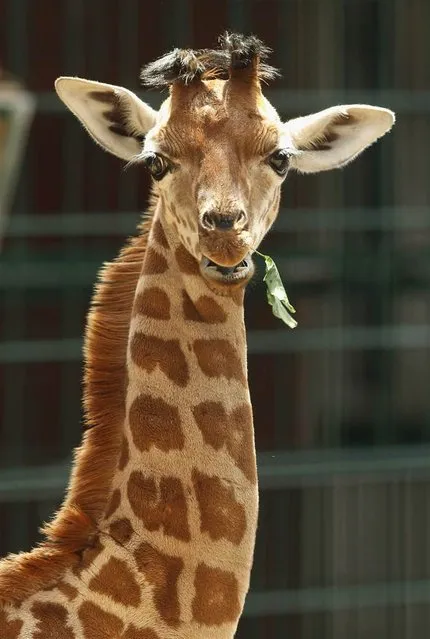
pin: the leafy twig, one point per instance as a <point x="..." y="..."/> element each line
<point x="276" y="293"/>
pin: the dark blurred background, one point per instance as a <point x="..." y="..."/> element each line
<point x="342" y="404"/>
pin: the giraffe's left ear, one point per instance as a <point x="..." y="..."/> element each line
<point x="333" y="137"/>
<point x="114" y="117"/>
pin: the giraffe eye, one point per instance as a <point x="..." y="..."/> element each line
<point x="279" y="161"/>
<point x="156" y="164"/>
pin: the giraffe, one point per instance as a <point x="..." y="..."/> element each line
<point x="155" y="537"/>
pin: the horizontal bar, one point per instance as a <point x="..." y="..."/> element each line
<point x="304" y="268"/>
<point x="384" y="337"/>
<point x="31" y="351"/>
<point x="35" y="483"/>
<point x="331" y="599"/>
<point x="276" y="470"/>
<point x="259" y="342"/>
<point x="286" y="100"/>
<point x="289" y="220"/>
<point x="280" y="470"/>
<point x="73" y="224"/>
<point x="48" y="274"/>
<point x="384" y="218"/>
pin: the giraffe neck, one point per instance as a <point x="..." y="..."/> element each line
<point x="184" y="496"/>
<point x="170" y="554"/>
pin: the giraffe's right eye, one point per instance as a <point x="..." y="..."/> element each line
<point x="157" y="165"/>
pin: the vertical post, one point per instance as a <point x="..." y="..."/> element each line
<point x="14" y="303"/>
<point x="72" y="299"/>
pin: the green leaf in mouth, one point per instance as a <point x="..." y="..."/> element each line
<point x="276" y="293"/>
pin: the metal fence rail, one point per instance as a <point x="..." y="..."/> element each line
<point x="276" y="469"/>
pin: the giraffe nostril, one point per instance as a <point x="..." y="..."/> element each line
<point x="208" y="221"/>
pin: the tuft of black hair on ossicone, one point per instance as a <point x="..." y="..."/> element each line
<point x="184" y="65"/>
<point x="246" y="50"/>
<point x="179" y="64"/>
<point x="243" y="49"/>
<point x="188" y="65"/>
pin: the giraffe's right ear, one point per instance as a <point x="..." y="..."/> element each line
<point x="114" y="117"/>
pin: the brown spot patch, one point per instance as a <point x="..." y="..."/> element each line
<point x="217" y="599"/>
<point x="124" y="455"/>
<point x="218" y="358"/>
<point x="204" y="309"/>
<point x="98" y="624"/>
<point x="154" y="422"/>
<point x="159" y="235"/>
<point x="150" y="352"/>
<point x="162" y="572"/>
<point x="154" y="263"/>
<point x="52" y="621"/>
<point x="232" y="430"/>
<point x="186" y="262"/>
<point x="164" y="508"/>
<point x="121" y="530"/>
<point x="114" y="503"/>
<point x="68" y="591"/>
<point x="9" y="629"/>
<point x="221" y="515"/>
<point x="135" y="633"/>
<point x="152" y="302"/>
<point x="116" y="580"/>
<point x="89" y="555"/>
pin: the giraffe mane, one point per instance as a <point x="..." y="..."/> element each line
<point x="186" y="65"/>
<point x="75" y="525"/>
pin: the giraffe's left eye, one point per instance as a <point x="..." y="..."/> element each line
<point x="279" y="161"/>
<point x="156" y="164"/>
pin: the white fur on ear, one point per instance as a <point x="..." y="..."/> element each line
<point x="114" y="117"/>
<point x="333" y="137"/>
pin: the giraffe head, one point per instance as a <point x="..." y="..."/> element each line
<point x="217" y="149"/>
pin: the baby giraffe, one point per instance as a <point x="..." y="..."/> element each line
<point x="156" y="535"/>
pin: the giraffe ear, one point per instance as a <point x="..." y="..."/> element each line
<point x="333" y="137"/>
<point x="114" y="117"/>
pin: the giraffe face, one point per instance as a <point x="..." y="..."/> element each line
<point x="218" y="164"/>
<point x="217" y="149"/>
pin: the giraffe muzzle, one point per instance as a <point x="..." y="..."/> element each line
<point x="239" y="273"/>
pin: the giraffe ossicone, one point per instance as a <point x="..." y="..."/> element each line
<point x="156" y="535"/>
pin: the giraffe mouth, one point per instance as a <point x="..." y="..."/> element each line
<point x="227" y="274"/>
